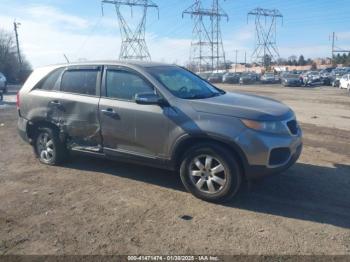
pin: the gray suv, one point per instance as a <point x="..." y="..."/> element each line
<point x="158" y="115"/>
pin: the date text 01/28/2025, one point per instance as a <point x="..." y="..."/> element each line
<point x="173" y="258"/>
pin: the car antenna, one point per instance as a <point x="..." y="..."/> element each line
<point x="66" y="58"/>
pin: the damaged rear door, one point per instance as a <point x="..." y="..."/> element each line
<point x="79" y="102"/>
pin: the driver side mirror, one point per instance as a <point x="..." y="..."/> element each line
<point x="149" y="99"/>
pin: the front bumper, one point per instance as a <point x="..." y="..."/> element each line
<point x="267" y="154"/>
<point x="292" y="83"/>
<point x="256" y="172"/>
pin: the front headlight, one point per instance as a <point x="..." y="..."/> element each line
<point x="275" y="127"/>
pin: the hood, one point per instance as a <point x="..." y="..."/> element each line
<point x="244" y="106"/>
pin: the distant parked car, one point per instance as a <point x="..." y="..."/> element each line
<point x="3" y="83"/>
<point x="337" y="74"/>
<point x="345" y="82"/>
<point x="231" y="78"/>
<point x="247" y="78"/>
<point x="269" y="78"/>
<point x="215" y="78"/>
<point x="312" y="78"/>
<point x="291" y="80"/>
<point x="204" y="76"/>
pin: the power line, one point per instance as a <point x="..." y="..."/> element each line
<point x="207" y="50"/>
<point x="266" y="49"/>
<point x="133" y="42"/>
<point x="336" y="49"/>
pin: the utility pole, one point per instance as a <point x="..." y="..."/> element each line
<point x="15" y="26"/>
<point x="333" y="42"/>
<point x="65" y="57"/>
<point x="133" y="42"/>
<point x="207" y="48"/>
<point x="236" y="51"/>
<point x="336" y="49"/>
<point x="266" y="32"/>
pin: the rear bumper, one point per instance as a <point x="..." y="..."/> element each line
<point x="22" y="128"/>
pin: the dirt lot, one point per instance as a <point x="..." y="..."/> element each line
<point x="91" y="206"/>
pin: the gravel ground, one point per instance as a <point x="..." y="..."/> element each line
<point x="92" y="206"/>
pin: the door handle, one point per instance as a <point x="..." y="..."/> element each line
<point x="109" y="112"/>
<point x="55" y="102"/>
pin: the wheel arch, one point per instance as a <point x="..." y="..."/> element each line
<point x="185" y="143"/>
<point x="34" y="125"/>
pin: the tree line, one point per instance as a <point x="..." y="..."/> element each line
<point x="296" y="61"/>
<point x="343" y="59"/>
<point x="10" y="65"/>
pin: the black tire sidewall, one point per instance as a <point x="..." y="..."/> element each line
<point x="234" y="174"/>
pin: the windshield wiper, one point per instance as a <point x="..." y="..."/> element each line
<point x="203" y="96"/>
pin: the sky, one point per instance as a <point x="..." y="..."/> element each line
<point x="76" y="28"/>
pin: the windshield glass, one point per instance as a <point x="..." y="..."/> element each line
<point x="182" y="83"/>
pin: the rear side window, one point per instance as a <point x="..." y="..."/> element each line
<point x="51" y="82"/>
<point x="125" y="85"/>
<point x="79" y="81"/>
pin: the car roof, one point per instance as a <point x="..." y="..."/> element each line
<point x="143" y="64"/>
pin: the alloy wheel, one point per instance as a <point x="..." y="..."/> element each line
<point x="45" y="147"/>
<point x="208" y="174"/>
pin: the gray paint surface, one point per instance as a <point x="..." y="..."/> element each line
<point x="154" y="131"/>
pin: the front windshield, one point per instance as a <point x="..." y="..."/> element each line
<point x="182" y="83"/>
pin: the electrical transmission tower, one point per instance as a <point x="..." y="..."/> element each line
<point x="266" y="50"/>
<point x="207" y="49"/>
<point x="133" y="42"/>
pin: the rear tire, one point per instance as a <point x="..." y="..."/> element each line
<point x="48" y="147"/>
<point x="211" y="173"/>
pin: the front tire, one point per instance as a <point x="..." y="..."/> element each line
<point x="48" y="147"/>
<point x="211" y="173"/>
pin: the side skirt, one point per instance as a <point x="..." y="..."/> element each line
<point x="127" y="157"/>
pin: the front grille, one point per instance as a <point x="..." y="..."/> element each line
<point x="279" y="156"/>
<point x="293" y="127"/>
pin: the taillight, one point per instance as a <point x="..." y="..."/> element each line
<point x="17" y="100"/>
